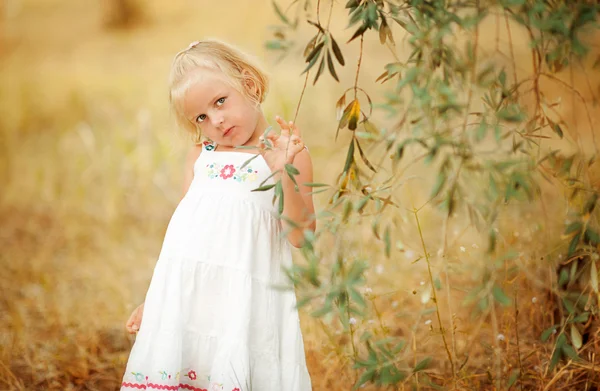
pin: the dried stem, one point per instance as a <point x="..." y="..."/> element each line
<point x="362" y="39"/>
<point x="521" y="372"/>
<point x="510" y="46"/>
<point x="497" y="362"/>
<point x="437" y="308"/>
<point x="473" y="73"/>
<point x="301" y="96"/>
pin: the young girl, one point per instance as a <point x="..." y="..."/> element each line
<point x="212" y="320"/>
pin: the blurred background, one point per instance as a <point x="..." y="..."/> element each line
<point x="91" y="169"/>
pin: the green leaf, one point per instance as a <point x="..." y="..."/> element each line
<point x="513" y="377"/>
<point x="590" y="204"/>
<point x="563" y="277"/>
<point x="337" y="52"/>
<point x="349" y="157"/>
<point x="568" y="305"/>
<point x="500" y="296"/>
<point x="424" y="363"/>
<point x="592" y="237"/>
<point x="576" y="337"/>
<point x="331" y="67"/>
<point x="481" y="130"/>
<point x="311" y="58"/>
<point x="319" y="71"/>
<point x="367" y="376"/>
<point x="582" y="318"/>
<point x="511" y="114"/>
<point x="548" y="332"/>
<point x="555" y="358"/>
<point x="557" y="129"/>
<point x="439" y="184"/>
<point x="291" y="169"/>
<point x="322" y="311"/>
<point x="312" y="184"/>
<point x="364" y="157"/>
<point x="279" y="195"/>
<point x="574" y="243"/>
<point x="492" y="241"/>
<point x="387" y="241"/>
<point x="502" y="78"/>
<point x="357" y="297"/>
<point x="573" y="227"/>
<point x="249" y="161"/>
<point x="314" y="57"/>
<point x="570" y="352"/>
<point x="283" y="18"/>
<point x="361" y="30"/>
<point x="264" y="188"/>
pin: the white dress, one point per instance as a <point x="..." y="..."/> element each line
<point x="212" y="319"/>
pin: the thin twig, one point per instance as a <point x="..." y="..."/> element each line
<point x="510" y="46"/>
<point x="437" y="308"/>
<point x="518" y="343"/>
<point x="497" y="361"/>
<point x="301" y="96"/>
<point x="362" y="38"/>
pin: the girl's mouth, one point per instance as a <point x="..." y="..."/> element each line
<point x="228" y="131"/>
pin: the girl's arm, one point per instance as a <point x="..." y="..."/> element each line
<point x="298" y="205"/>
<point x="188" y="174"/>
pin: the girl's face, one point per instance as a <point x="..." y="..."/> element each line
<point x="223" y="114"/>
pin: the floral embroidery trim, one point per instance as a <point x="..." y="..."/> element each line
<point x="180" y="386"/>
<point x="229" y="171"/>
<point x="145" y="384"/>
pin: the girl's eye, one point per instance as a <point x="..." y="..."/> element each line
<point x="221" y="101"/>
<point x="201" y="118"/>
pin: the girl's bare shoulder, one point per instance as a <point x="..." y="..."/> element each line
<point x="193" y="153"/>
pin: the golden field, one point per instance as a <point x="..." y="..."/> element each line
<point x="91" y="169"/>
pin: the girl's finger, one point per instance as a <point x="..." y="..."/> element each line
<point x="297" y="142"/>
<point x="261" y="145"/>
<point x="294" y="129"/>
<point x="272" y="137"/>
<point x="285" y="129"/>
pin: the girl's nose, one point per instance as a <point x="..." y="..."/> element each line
<point x="217" y="120"/>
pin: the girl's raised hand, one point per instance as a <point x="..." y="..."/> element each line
<point x="281" y="148"/>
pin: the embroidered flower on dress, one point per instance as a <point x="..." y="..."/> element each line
<point x="236" y="389"/>
<point x="191" y="375"/>
<point x="227" y="171"/>
<point x="217" y="387"/>
<point x="138" y="376"/>
<point x="208" y="145"/>
<point x="163" y="374"/>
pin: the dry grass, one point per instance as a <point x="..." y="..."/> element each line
<point x="91" y="168"/>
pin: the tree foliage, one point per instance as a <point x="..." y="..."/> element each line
<point x="471" y="122"/>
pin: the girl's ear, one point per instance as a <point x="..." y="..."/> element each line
<point x="250" y="84"/>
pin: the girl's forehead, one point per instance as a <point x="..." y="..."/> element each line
<point x="204" y="79"/>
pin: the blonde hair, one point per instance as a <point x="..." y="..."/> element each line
<point x="240" y="70"/>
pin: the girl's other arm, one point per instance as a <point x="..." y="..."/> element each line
<point x="188" y="174"/>
<point x="298" y="205"/>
